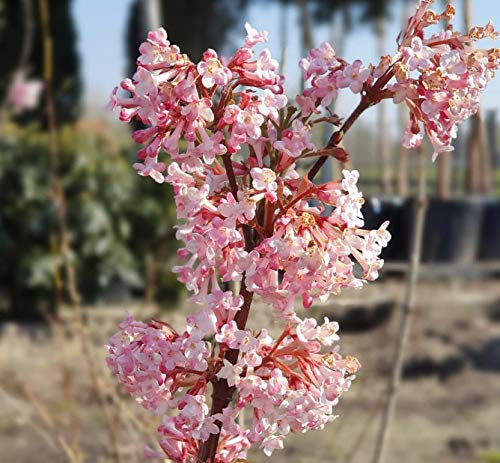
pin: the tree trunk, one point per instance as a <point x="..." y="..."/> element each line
<point x="478" y="175"/>
<point x="152" y="14"/>
<point x="337" y="34"/>
<point x="491" y="128"/>
<point x="444" y="176"/>
<point x="384" y="148"/>
<point x="306" y="31"/>
<point x="283" y="35"/>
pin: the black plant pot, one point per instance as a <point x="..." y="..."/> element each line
<point x="452" y="229"/>
<point x="489" y="243"/>
<point x="376" y="211"/>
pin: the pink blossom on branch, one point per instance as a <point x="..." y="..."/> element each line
<point x="227" y="140"/>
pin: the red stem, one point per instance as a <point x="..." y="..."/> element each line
<point x="223" y="393"/>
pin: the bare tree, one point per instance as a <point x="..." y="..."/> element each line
<point x="307" y="41"/>
<point x="478" y="175"/>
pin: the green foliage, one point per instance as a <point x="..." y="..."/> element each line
<point x="119" y="223"/>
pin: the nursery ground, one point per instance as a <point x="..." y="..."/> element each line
<point x="448" y="409"/>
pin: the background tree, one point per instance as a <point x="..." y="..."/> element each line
<point x="377" y="12"/>
<point x="351" y="13"/>
<point x="65" y="60"/>
<point x="478" y="177"/>
<point x="194" y="26"/>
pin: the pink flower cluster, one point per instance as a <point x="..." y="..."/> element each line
<point x="311" y="254"/>
<point x="307" y="254"/>
<point x="168" y="374"/>
<point x="248" y="213"/>
<point x="440" y="78"/>
<point x="176" y="98"/>
<point x="328" y="74"/>
<point x="289" y="385"/>
<point x="227" y="197"/>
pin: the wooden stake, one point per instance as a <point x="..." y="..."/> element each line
<point x="406" y="316"/>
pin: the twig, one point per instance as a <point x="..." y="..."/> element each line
<point x="48" y="438"/>
<point x="406" y="318"/>
<point x="50" y="424"/>
<point x="353" y="450"/>
<point x="67" y="384"/>
<point x="337" y="136"/>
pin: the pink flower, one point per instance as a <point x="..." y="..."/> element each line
<point x="231" y="373"/>
<point x="227" y="333"/>
<point x="272" y="443"/>
<point x="307" y="105"/>
<point x="320" y="60"/>
<point x="151" y="168"/>
<point x="266" y="66"/>
<point x="264" y="180"/>
<point x="270" y="104"/>
<point x="327" y="334"/>
<point x="325" y="87"/>
<point x="212" y="70"/>
<point x="419" y="55"/>
<point x="307" y="330"/>
<point x="253" y="36"/>
<point x="354" y="76"/>
<point x="24" y="94"/>
<point x="210" y="147"/>
<point x="249" y="121"/>
<point x="199" y="110"/>
<point x="453" y="65"/>
<point x="237" y="211"/>
<point x="296" y="140"/>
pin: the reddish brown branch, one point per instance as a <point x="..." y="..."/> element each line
<point x="222" y="393"/>
<point x="372" y="96"/>
<point x="337" y="136"/>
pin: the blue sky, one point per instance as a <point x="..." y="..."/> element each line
<point x="101" y="31"/>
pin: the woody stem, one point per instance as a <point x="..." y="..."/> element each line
<point x="222" y="393"/>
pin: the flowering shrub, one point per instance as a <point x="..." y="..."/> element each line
<point x="247" y="214"/>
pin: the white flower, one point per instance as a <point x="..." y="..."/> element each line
<point x="231" y="373"/>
